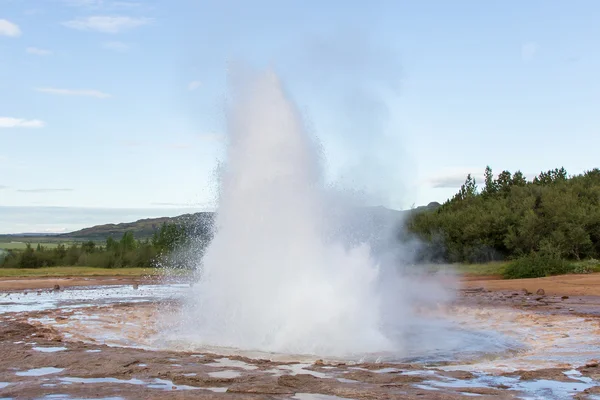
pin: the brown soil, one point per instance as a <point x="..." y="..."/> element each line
<point x="567" y="285"/>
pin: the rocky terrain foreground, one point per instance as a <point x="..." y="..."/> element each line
<point x="92" y="351"/>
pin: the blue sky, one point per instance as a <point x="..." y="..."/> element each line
<point x="119" y="104"/>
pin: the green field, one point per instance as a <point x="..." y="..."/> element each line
<point x="21" y="245"/>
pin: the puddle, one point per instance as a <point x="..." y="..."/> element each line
<point x="4" y="384"/>
<point x="169" y="385"/>
<point x="66" y="396"/>
<point x="314" y="396"/>
<point x="93" y="351"/>
<point x="40" y="371"/>
<point x="227" y="374"/>
<point x="418" y="372"/>
<point x="425" y="387"/>
<point x="87" y="297"/>
<point x="49" y="349"/>
<point x="132" y="381"/>
<point x="162" y="384"/>
<point x="542" y="389"/>
<point x="574" y="374"/>
<point x="216" y="389"/>
<point x="296" y="369"/>
<point x="228" y="363"/>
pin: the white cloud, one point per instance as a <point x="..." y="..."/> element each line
<point x="106" y="23"/>
<point x="453" y="178"/>
<point x="55" y="230"/>
<point x="8" y="28"/>
<point x="37" y="51"/>
<point x="193" y="85"/>
<point x="528" y="51"/>
<point x="70" y="92"/>
<point x="44" y="190"/>
<point x="9" y="122"/>
<point x="116" y="46"/>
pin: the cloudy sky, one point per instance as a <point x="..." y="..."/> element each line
<point x="119" y="104"/>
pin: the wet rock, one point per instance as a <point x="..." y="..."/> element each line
<point x="262" y="386"/>
<point x="197" y="380"/>
<point x="135" y="286"/>
<point x="56" y="288"/>
<point x="592" y="364"/>
<point x="541" y="292"/>
<point x="482" y="391"/>
<point x="555" y="374"/>
<point x="526" y="292"/>
<point x="564" y="297"/>
<point x="462" y="375"/>
<point x="382" y="379"/>
<point x="297" y="381"/>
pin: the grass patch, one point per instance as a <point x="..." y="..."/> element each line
<point x="87" y="271"/>
<point x="485" y="269"/>
<point x="22" y="245"/>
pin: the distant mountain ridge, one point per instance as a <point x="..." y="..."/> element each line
<point x="144" y="228"/>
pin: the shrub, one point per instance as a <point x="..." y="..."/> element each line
<point x="537" y="265"/>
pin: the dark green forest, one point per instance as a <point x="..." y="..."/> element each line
<point x="156" y="251"/>
<point x="543" y="225"/>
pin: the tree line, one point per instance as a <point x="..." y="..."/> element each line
<point x="126" y="252"/>
<point x="543" y="224"/>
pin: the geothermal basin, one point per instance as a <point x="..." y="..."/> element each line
<point x="111" y="342"/>
<point x="293" y="299"/>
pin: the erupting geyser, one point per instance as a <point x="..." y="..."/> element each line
<point x="273" y="279"/>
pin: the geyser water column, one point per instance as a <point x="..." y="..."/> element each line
<point x="271" y="279"/>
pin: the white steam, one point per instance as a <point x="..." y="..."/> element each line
<point x="278" y="275"/>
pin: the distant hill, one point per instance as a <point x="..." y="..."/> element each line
<point x="143" y="228"/>
<point x="368" y="219"/>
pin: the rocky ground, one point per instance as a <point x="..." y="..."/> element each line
<point x="44" y="355"/>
